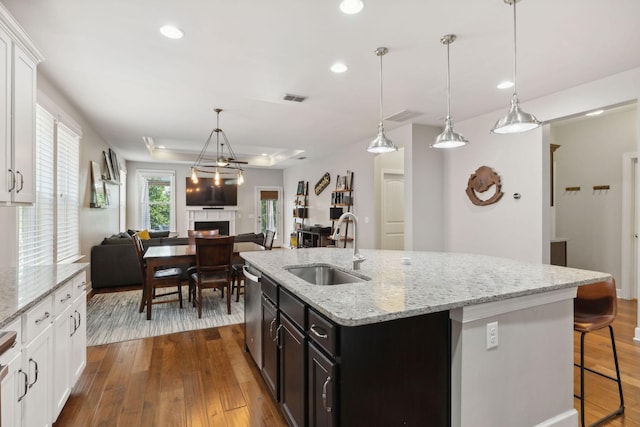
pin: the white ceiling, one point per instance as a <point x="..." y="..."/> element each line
<point x="110" y="60"/>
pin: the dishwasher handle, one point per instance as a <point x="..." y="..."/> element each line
<point x="248" y="275"/>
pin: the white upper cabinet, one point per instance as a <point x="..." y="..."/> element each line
<point x="18" y="61"/>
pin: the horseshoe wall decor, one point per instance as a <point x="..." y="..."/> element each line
<point x="483" y="179"/>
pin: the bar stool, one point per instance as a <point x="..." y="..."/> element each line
<point x="594" y="308"/>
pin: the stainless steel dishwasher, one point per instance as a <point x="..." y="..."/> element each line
<point x="253" y="314"/>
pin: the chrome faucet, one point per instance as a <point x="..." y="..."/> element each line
<point x="357" y="258"/>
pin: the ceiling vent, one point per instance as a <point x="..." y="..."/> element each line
<point x="403" y="116"/>
<point x="294" y="98"/>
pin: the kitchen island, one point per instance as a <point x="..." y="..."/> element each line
<point x="521" y="376"/>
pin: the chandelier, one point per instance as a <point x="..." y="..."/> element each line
<point x="206" y="166"/>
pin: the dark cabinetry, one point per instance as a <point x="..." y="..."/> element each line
<point x="396" y="372"/>
<point x="269" y="346"/>
<point x="322" y="380"/>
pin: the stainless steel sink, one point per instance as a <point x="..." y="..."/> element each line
<point x="324" y="274"/>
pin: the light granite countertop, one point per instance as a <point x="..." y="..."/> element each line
<point x="21" y="289"/>
<point x="405" y="284"/>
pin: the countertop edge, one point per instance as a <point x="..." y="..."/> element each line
<point x="37" y="299"/>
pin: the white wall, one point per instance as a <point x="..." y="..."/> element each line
<point x="425" y="168"/>
<point x="590" y="154"/>
<point x="518" y="229"/>
<point x="245" y="214"/>
<point x="509" y="228"/>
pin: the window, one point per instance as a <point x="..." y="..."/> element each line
<point x="157" y="200"/>
<point x="48" y="230"/>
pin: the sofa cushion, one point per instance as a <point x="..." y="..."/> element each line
<point x="250" y="237"/>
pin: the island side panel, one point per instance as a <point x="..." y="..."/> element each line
<point x="528" y="379"/>
<point x="396" y="372"/>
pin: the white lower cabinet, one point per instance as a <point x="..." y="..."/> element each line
<point x="37" y="363"/>
<point x="48" y="359"/>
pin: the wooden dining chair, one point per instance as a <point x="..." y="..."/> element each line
<point x="213" y="269"/>
<point x="237" y="276"/>
<point x="162" y="278"/>
<point x="193" y="234"/>
<point x="594" y="308"/>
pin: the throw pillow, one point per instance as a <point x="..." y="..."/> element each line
<point x="144" y="235"/>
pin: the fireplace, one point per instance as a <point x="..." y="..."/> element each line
<point x="221" y="226"/>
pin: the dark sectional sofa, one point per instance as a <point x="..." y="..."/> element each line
<point x="114" y="263"/>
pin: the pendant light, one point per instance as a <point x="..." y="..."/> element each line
<point x="449" y="138"/>
<point x="516" y="120"/>
<point x="381" y="144"/>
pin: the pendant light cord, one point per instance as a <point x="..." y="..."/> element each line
<point x="448" y="83"/>
<point x="515" y="88"/>
<point x="380" y="54"/>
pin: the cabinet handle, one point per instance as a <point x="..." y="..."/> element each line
<point x="82" y="285"/>
<point x="277" y="338"/>
<point x="26" y="385"/>
<point x="13" y="180"/>
<point x="36" y="372"/>
<point x="43" y="318"/>
<point x="324" y="394"/>
<point x="273" y="322"/>
<point x="15" y="343"/>
<point x="21" y="182"/>
<point x="316" y="333"/>
<point x="73" y="317"/>
<point x="67" y="298"/>
<point x="79" y="320"/>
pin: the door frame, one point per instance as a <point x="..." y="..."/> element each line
<point x="629" y="243"/>
<point x="278" y="240"/>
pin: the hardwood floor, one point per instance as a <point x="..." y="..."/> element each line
<point x="602" y="394"/>
<point x="204" y="378"/>
<point x="197" y="378"/>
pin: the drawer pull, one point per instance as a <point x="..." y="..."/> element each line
<point x="43" y="318"/>
<point x="324" y="394"/>
<point x="67" y="298"/>
<point x="321" y="334"/>
<point x="82" y="285"/>
<point x="15" y="343"/>
<point x="26" y="385"/>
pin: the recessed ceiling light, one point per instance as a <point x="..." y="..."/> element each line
<point x="339" y="67"/>
<point x="595" y="113"/>
<point x="162" y="146"/>
<point x="351" y="7"/>
<point x="505" y="84"/>
<point x="264" y="154"/>
<point x="171" y="32"/>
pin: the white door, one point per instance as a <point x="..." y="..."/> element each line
<point x="268" y="202"/>
<point x="392" y="209"/>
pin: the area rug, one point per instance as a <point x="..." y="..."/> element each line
<point x="114" y="317"/>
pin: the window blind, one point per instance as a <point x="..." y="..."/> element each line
<point x="48" y="230"/>
<point x="67" y="238"/>
<point x="36" y="222"/>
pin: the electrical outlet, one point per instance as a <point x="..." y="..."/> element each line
<point x="492" y="335"/>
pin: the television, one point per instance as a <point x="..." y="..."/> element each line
<point x="204" y="193"/>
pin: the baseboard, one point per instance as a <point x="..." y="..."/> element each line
<point x="637" y="337"/>
<point x="566" y="419"/>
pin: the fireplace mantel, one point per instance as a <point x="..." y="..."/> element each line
<point x="211" y="214"/>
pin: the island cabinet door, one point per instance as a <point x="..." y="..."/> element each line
<point x="293" y="359"/>
<point x="269" y="346"/>
<point x="322" y="388"/>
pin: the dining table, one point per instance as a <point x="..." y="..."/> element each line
<point x="165" y="256"/>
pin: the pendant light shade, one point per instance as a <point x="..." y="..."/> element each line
<point x="516" y="120"/>
<point x="449" y="138"/>
<point x="381" y="144"/>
